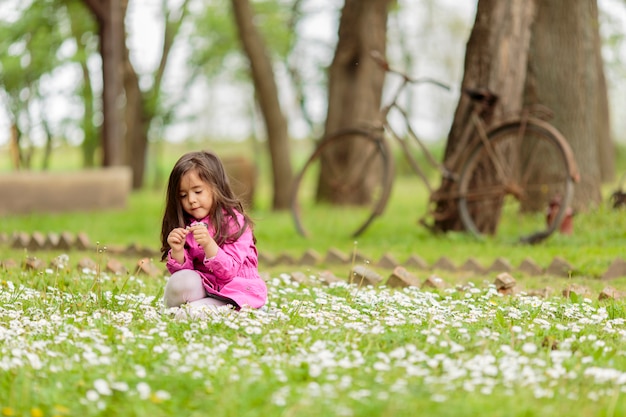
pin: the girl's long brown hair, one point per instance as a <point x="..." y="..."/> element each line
<point x="210" y="169"/>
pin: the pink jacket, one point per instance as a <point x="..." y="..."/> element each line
<point x="232" y="273"/>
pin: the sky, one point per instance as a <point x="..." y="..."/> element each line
<point x="226" y="109"/>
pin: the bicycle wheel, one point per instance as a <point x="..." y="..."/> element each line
<point x="509" y="183"/>
<point x="343" y="186"/>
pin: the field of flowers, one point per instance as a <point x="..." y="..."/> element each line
<point x="91" y="344"/>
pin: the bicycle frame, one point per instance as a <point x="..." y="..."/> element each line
<point x="465" y="189"/>
<point x="476" y="125"/>
<point x="393" y="104"/>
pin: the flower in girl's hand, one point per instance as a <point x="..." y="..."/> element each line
<point x="197" y="223"/>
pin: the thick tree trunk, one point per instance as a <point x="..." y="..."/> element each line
<point x="128" y="111"/>
<point x="110" y="18"/>
<point x="141" y="106"/>
<point x="355" y="87"/>
<point x="495" y="58"/>
<point x="564" y="76"/>
<point x="267" y="96"/>
<point x="606" y="148"/>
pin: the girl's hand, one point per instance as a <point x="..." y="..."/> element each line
<point x="200" y="233"/>
<point x="203" y="238"/>
<point x="176" y="240"/>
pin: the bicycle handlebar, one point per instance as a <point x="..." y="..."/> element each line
<point x="432" y="81"/>
<point x="384" y="64"/>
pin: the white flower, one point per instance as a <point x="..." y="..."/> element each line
<point x="162" y="395"/>
<point x="253" y="330"/>
<point x="438" y="398"/>
<point x="599" y="344"/>
<point x="279" y="398"/>
<point x="119" y="386"/>
<point x="315" y="370"/>
<point x="102" y="387"/>
<point x="92" y="395"/>
<point x="143" y="389"/>
<point x="140" y="371"/>
<point x="381" y="366"/>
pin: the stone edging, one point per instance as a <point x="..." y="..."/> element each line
<point x="558" y="267"/>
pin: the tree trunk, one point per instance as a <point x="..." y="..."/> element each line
<point x="495" y="58"/>
<point x="137" y="123"/>
<point x="603" y="123"/>
<point x="606" y="148"/>
<point x="125" y="139"/>
<point x="267" y="96"/>
<point x="142" y="106"/>
<point x="136" y="119"/>
<point x="91" y="139"/>
<point x="354" y="88"/>
<point x="564" y="75"/>
<point x="108" y="14"/>
<point x="15" y="146"/>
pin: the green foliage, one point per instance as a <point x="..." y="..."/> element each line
<point x="28" y="46"/>
<point x="28" y="50"/>
<point x="276" y="21"/>
<point x="32" y="48"/>
<point x="214" y="38"/>
<point x="216" y="43"/>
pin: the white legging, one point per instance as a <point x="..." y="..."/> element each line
<point x="185" y="286"/>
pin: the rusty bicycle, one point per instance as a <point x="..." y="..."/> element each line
<point x="512" y="169"/>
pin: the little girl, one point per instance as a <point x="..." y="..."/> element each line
<point x="207" y="239"/>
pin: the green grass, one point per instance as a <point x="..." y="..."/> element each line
<point x="599" y="237"/>
<point x="93" y="343"/>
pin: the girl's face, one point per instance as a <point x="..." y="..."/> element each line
<point x="195" y="195"/>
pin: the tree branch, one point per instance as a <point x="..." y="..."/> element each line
<point x="172" y="26"/>
<point x="97" y="8"/>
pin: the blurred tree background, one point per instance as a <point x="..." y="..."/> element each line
<point x="121" y="78"/>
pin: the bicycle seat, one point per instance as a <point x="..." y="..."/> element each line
<point x="482" y="95"/>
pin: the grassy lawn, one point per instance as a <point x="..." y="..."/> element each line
<point x="599" y="236"/>
<point x="83" y="343"/>
<point x="93" y="343"/>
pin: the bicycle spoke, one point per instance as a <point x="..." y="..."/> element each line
<point x="357" y="173"/>
<point x="517" y="205"/>
<point x="496" y="152"/>
<point x="496" y="191"/>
